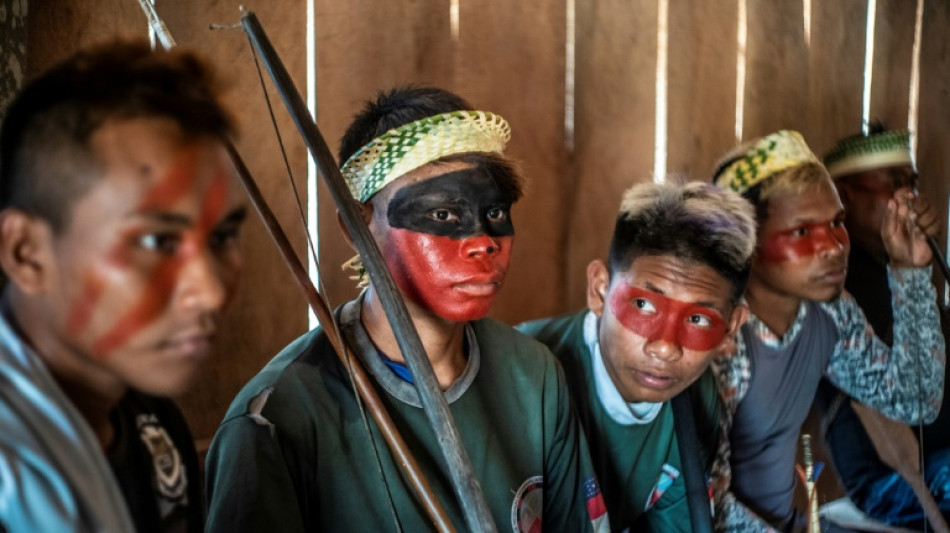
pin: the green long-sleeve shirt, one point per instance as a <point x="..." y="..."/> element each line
<point x="638" y="465"/>
<point x="293" y="453"/>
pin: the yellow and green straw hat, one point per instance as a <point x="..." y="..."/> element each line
<point x="858" y="153"/>
<point x="410" y="146"/>
<point x="766" y="157"/>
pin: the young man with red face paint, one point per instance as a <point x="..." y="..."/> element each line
<point x="294" y="454"/>
<point x="869" y="171"/>
<point x="803" y="326"/>
<point x="118" y="222"/>
<point x="662" y="307"/>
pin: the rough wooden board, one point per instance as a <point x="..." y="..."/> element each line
<point x="776" y="90"/>
<point x="933" y="155"/>
<point x="13" y="28"/>
<point x="893" y="53"/>
<point x="701" y="92"/>
<point x="614" y="125"/>
<point x="836" y="72"/>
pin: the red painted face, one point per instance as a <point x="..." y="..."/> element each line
<point x="162" y="196"/>
<point x="448" y="243"/>
<point x="804" y="240"/>
<point x="457" y="279"/>
<point x="150" y="255"/>
<point x="655" y="317"/>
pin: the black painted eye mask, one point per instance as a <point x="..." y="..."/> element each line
<point x="459" y="204"/>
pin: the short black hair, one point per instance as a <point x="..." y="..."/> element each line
<point x="695" y="222"/>
<point x="402" y="105"/>
<point x="46" y="162"/>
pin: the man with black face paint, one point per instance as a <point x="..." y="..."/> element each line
<point x="293" y="453"/>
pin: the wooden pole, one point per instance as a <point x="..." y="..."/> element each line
<point x="466" y="486"/>
<point x="410" y="468"/>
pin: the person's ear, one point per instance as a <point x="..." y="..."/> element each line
<point x="24" y="250"/>
<point x="598" y="279"/>
<point x="740" y="313"/>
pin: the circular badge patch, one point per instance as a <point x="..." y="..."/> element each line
<point x="527" y="506"/>
<point x="169" y="470"/>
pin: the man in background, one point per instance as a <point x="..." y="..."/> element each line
<point x="119" y="217"/>
<point x="870" y="170"/>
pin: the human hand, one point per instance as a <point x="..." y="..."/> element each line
<point x="904" y="230"/>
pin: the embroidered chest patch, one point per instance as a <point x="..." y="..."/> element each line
<point x="667" y="476"/>
<point x="527" y="506"/>
<point x="170" y="480"/>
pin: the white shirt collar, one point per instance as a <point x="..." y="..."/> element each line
<point x="623" y="413"/>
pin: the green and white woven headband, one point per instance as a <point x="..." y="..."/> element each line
<point x="854" y="154"/>
<point x="770" y="155"/>
<point x="410" y="146"/>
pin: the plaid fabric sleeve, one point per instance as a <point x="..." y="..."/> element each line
<point x="903" y="382"/>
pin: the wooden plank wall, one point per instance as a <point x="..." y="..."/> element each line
<point x="510" y="57"/>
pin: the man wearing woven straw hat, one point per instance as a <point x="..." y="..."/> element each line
<point x="664" y="304"/>
<point x="293" y="453"/>
<point x="869" y="171"/>
<point x="803" y="326"/>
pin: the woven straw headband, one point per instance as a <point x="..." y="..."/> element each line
<point x="854" y="154"/>
<point x="410" y="146"/>
<point x="770" y="155"/>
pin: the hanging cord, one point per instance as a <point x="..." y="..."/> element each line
<point x="322" y="291"/>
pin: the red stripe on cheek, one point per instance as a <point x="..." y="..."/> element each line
<point x="150" y="305"/>
<point x="81" y="311"/>
<point x="177" y="182"/>
<point x="429" y="268"/>
<point x="782" y="248"/>
<point x="646" y="325"/>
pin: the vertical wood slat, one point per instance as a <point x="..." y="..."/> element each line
<point x="613" y="125"/>
<point x="933" y="156"/>
<point x="893" y="54"/>
<point x="702" y="85"/>
<point x="836" y="72"/>
<point x="13" y="40"/>
<point x="776" y="69"/>
<point x="511" y="60"/>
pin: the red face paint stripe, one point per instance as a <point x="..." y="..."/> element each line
<point x="81" y="312"/>
<point x="433" y="270"/>
<point x="212" y="205"/>
<point x="149" y="306"/>
<point x="668" y="320"/>
<point x="784" y="246"/>
<point x="176" y="183"/>
<point x="159" y="289"/>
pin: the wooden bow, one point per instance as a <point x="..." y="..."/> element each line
<point x="465" y="484"/>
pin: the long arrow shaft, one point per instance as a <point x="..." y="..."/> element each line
<point x="465" y="484"/>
